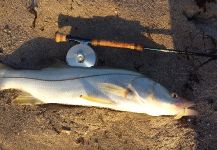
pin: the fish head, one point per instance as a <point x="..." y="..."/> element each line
<point x="157" y="100"/>
<point x="182" y="107"/>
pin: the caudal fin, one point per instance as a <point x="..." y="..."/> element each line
<point x="3" y="68"/>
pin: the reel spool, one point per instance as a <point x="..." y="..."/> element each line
<point x="81" y="55"/>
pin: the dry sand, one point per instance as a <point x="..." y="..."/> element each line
<point x="156" y="23"/>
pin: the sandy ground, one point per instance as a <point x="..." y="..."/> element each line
<point x="156" y="23"/>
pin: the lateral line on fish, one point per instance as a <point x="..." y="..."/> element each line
<point x="66" y="79"/>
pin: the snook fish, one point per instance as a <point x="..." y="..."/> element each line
<point x="106" y="88"/>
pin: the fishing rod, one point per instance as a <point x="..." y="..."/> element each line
<point x="59" y="37"/>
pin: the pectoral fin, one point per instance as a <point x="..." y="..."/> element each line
<point x="114" y="89"/>
<point x="26" y="99"/>
<point x="96" y="99"/>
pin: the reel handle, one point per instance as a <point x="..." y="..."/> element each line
<point x="59" y="37"/>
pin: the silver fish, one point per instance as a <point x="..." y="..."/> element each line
<point x="106" y="88"/>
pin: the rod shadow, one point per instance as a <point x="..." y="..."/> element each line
<point x="111" y="28"/>
<point x="39" y="52"/>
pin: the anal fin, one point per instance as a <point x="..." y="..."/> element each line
<point x="96" y="99"/>
<point x="26" y="99"/>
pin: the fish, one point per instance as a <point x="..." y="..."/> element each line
<point x="115" y="89"/>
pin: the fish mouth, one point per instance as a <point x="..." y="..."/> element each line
<point x="187" y="108"/>
<point x="183" y="103"/>
<point x="190" y="112"/>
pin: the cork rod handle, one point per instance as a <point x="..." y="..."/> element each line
<point x="59" y="37"/>
<point x="115" y="44"/>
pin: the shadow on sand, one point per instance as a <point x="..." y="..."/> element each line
<point x="39" y="52"/>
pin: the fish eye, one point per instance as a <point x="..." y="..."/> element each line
<point x="174" y="95"/>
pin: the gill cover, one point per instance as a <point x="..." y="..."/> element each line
<point x="143" y="87"/>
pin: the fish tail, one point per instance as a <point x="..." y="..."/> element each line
<point x="1" y="83"/>
<point x="2" y="73"/>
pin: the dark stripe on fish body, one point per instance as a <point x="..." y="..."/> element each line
<point x="77" y="78"/>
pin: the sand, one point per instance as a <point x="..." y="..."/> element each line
<point x="28" y="43"/>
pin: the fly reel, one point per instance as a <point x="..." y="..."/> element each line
<point x="81" y="55"/>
